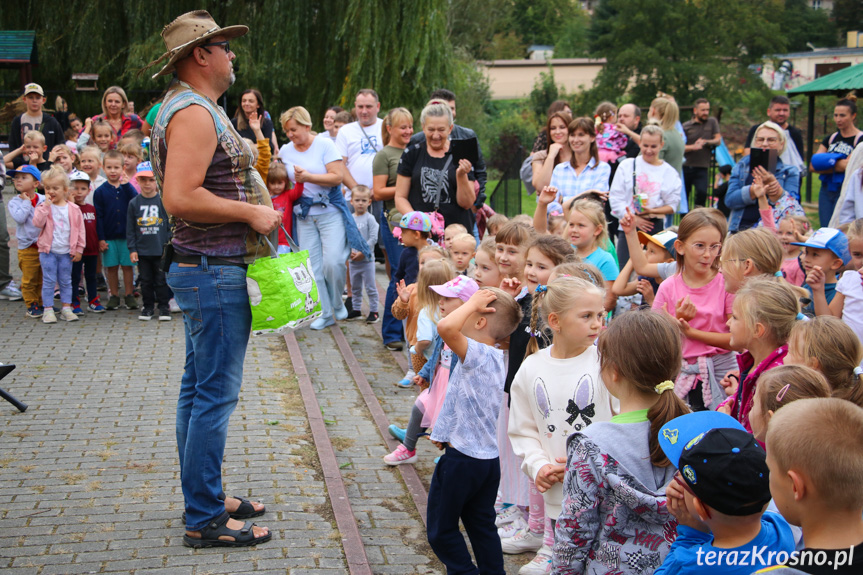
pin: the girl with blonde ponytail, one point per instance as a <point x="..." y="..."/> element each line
<point x="621" y="460"/>
<point x="557" y="390"/>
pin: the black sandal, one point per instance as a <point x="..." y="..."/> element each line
<point x="245" y="511"/>
<point x="216" y="528"/>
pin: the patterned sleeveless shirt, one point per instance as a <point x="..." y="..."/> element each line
<point x="231" y="175"/>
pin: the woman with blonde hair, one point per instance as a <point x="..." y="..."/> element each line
<point x="114" y="106"/>
<point x="320" y="212"/>
<point x="664" y="112"/>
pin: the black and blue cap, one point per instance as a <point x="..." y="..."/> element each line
<point x="719" y="460"/>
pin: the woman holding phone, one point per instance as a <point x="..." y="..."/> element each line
<point x="748" y="183"/>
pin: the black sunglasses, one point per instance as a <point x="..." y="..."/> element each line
<point x="224" y="43"/>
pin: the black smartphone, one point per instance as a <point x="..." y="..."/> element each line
<point x="764" y="158"/>
<point x="465" y="150"/>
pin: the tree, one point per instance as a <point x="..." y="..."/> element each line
<point x="571" y="40"/>
<point x="848" y="15"/>
<point x="687" y="48"/>
<point x="802" y="24"/>
<point x="314" y="53"/>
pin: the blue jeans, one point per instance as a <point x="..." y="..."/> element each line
<point x="325" y="238"/>
<point x="56" y="268"/>
<point x="217" y="321"/>
<point x="391" y="328"/>
<point x="826" y="204"/>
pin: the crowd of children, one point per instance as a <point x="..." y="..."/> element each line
<point x="606" y="420"/>
<point x="635" y="441"/>
<point x="87" y="212"/>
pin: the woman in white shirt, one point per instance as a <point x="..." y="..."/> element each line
<point x="648" y="186"/>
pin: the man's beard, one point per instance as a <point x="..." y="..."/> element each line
<point x="233" y="78"/>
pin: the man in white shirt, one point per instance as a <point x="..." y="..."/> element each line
<point x="359" y="141"/>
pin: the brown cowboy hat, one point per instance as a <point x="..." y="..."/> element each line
<point x="188" y="31"/>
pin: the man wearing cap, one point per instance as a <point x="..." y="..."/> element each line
<point x="719" y="497"/>
<point x="34" y="118"/>
<point x="221" y="209"/>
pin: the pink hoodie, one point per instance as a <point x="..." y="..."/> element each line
<point x="42" y="219"/>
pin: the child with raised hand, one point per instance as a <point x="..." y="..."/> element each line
<point x="825" y="253"/>
<point x="433" y="377"/>
<point x="779" y="387"/>
<point x="61" y="242"/>
<point x="88" y="262"/>
<point x="33" y="147"/>
<point x="847" y="301"/>
<point x="485" y="272"/>
<point x="557" y="391"/>
<point x="816" y="479"/>
<point x="21" y="208"/>
<point x="283" y="200"/>
<point x="428" y="310"/>
<point x="616" y="472"/>
<point x="99" y="134"/>
<point x="724" y="526"/>
<point x="829" y="346"/>
<point x="791" y="229"/>
<point x="466" y="478"/>
<point x="405" y="309"/>
<point x="763" y="314"/>
<point x="450" y="233"/>
<point x="62" y="156"/>
<point x="658" y="249"/>
<point x="695" y="296"/>
<point x="588" y="233"/>
<point x="462" y="251"/>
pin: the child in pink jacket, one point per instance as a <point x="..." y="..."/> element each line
<point x="60" y="242"/>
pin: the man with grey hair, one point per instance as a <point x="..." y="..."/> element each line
<point x="222" y="211"/>
<point x="629" y="124"/>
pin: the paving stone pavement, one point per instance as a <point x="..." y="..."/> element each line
<point x="89" y="478"/>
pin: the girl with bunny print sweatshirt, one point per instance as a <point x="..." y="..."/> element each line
<point x="551" y="399"/>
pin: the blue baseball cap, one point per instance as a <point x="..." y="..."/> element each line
<point x="144" y="169"/>
<point x="829" y="239"/>
<point x="720" y="462"/>
<point x="27" y="169"/>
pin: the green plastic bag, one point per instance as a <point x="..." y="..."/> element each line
<point x="282" y="291"/>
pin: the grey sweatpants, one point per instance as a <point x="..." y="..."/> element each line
<point x="363" y="275"/>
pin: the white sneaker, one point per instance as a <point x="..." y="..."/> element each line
<point x="512" y="528"/>
<point x="172" y="304"/>
<point x="508" y="515"/>
<point x="67" y="314"/>
<point x="48" y="316"/>
<point x="539" y="565"/>
<point x="522" y="542"/>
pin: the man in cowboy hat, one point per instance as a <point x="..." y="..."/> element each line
<point x="220" y="207"/>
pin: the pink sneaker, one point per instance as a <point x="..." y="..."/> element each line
<point x="401" y="455"/>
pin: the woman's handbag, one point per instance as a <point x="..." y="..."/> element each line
<point x="282" y="291"/>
